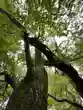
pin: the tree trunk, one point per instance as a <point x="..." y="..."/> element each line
<point x="29" y="96"/>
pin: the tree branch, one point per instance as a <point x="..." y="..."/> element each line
<point x="66" y="68"/>
<point x="12" y="19"/>
<point x="76" y="58"/>
<point x="66" y="100"/>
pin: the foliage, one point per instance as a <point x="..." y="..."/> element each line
<point x="60" y="26"/>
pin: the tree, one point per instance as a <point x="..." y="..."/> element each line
<point x="59" y="59"/>
<point x="33" y="87"/>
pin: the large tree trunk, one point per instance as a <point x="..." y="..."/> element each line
<point x="29" y="96"/>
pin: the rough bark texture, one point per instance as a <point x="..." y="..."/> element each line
<point x="29" y="97"/>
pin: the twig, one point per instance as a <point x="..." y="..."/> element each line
<point x="66" y="100"/>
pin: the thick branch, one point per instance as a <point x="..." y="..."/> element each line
<point x="66" y="68"/>
<point x="29" y="76"/>
<point x="12" y="19"/>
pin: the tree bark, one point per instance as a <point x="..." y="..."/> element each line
<point x="29" y="96"/>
